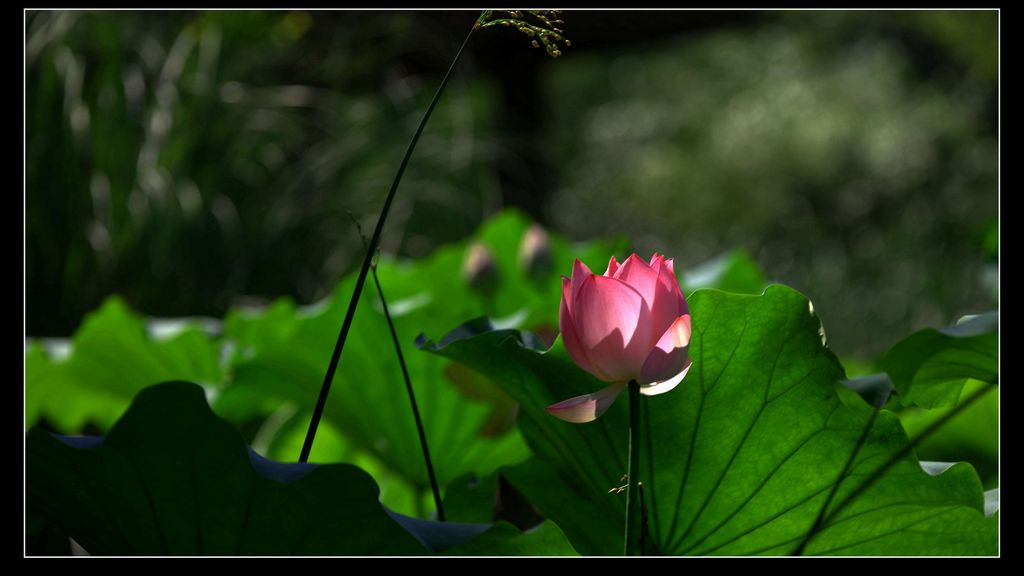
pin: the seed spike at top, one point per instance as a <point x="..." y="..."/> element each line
<point x="542" y="25"/>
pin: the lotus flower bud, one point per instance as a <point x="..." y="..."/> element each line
<point x="535" y="252"/>
<point x="479" y="269"/>
<point x="630" y="323"/>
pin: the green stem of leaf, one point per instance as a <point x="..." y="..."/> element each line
<point x="909" y="449"/>
<point x="325" y="388"/>
<point x="824" y="518"/>
<point x="820" y="519"/>
<point x="412" y="400"/>
<point x="631" y="544"/>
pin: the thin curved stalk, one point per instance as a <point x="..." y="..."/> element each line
<point x="332" y="367"/>
<point x="412" y="400"/>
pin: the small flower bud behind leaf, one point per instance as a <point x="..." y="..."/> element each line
<point x="479" y="269"/>
<point x="535" y="253"/>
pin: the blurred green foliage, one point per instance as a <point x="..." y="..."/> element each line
<point x="186" y="160"/>
<point x="191" y="160"/>
<point x="854" y="154"/>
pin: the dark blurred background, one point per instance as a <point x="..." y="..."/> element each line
<point x="192" y="161"/>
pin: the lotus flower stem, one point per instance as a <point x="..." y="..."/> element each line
<point x="412" y="400"/>
<point x="325" y="388"/>
<point x="631" y="546"/>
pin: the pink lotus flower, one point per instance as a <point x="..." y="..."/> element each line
<point x="631" y="323"/>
